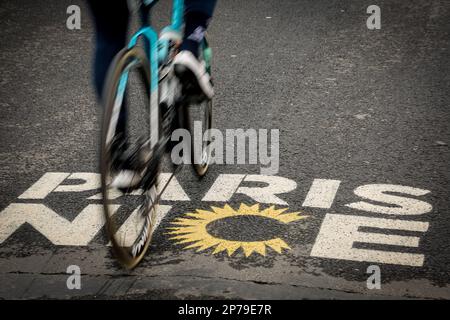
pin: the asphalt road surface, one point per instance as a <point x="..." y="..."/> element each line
<point x="363" y="119"/>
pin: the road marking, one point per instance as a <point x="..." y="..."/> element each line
<point x="54" y="227"/>
<point x="339" y="232"/>
<point x="335" y="238"/>
<point x="45" y="185"/>
<point x="226" y="185"/>
<point x="403" y="205"/>
<point x="58" y="229"/>
<point x="192" y="233"/>
<point x="52" y="182"/>
<point x="276" y="185"/>
<point x="90" y="181"/>
<point x="173" y="192"/>
<point x="322" y="193"/>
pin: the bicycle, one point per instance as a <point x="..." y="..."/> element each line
<point x="166" y="106"/>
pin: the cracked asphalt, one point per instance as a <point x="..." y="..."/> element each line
<point x="355" y="105"/>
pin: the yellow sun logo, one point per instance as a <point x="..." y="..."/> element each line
<point x="193" y="230"/>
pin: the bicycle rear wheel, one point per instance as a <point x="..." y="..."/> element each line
<point x="197" y="116"/>
<point x="198" y="120"/>
<point x="129" y="214"/>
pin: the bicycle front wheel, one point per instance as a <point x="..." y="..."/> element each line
<point x="130" y="214"/>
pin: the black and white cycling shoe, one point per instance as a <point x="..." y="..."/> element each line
<point x="192" y="74"/>
<point x="126" y="180"/>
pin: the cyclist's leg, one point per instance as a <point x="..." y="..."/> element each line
<point x="191" y="72"/>
<point x="111" y="23"/>
<point x="197" y="16"/>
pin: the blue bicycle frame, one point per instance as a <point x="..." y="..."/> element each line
<point x="157" y="53"/>
<point x="158" y="49"/>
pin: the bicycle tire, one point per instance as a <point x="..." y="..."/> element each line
<point x="202" y="167"/>
<point x="199" y="167"/>
<point x="127" y="256"/>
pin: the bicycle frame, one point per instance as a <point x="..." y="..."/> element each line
<point x="157" y="53"/>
